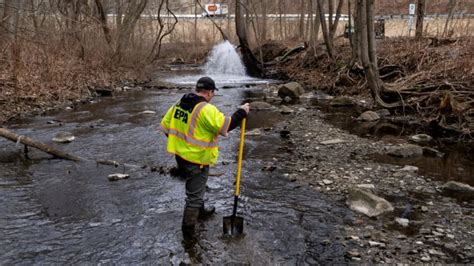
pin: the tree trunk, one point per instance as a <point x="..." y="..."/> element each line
<point x="316" y="25"/>
<point x="368" y="56"/>
<point x="302" y="19"/>
<point x="357" y="49"/>
<point x="371" y="37"/>
<point x="280" y="20"/>
<point x="333" y="25"/>
<point x="103" y="20"/>
<point x="254" y="68"/>
<point x="420" y="13"/>
<point x="263" y="32"/>
<point x="451" y="6"/>
<point x="134" y="11"/>
<point x="327" y="39"/>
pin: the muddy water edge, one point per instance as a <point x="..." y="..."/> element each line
<point x="436" y="226"/>
<point x="56" y="211"/>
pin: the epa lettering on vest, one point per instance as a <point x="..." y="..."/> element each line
<point x="181" y="115"/>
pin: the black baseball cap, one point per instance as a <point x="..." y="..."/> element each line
<point x="206" y="83"/>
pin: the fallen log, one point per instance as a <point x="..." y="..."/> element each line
<point x="39" y="145"/>
<point x="5" y="133"/>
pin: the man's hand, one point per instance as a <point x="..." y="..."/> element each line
<point x="246" y="107"/>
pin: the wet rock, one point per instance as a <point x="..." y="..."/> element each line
<point x="254" y="132"/>
<point x="402" y="221"/>
<point x="286" y="110"/>
<point x="367" y="203"/>
<point x="288" y="99"/>
<point x="427" y="151"/>
<point x="325" y="242"/>
<point x="269" y="168"/>
<point x="383" y="112"/>
<point x="332" y="141"/>
<point x="327" y="182"/>
<point x="369" y="116"/>
<point x="115" y="177"/>
<point x="409" y="168"/>
<point x="103" y="91"/>
<point x="148" y="112"/>
<point x="260" y="106"/>
<point x="64" y="137"/>
<point x="458" y="188"/>
<point x="421" y="138"/>
<point x="342" y="101"/>
<point x="376" y="244"/>
<point x="53" y="122"/>
<point x="285" y="134"/>
<point x="318" y="95"/>
<point x="366" y="186"/>
<point x="353" y="253"/>
<point x="177" y="61"/>
<point x="426" y="258"/>
<point x="292" y="90"/>
<point x="405" y="151"/>
<point x="436" y="252"/>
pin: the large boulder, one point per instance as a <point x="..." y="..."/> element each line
<point x="369" y="116"/>
<point x="63" y="137"/>
<point x="367" y="203"/>
<point x="293" y="90"/>
<point x="458" y="188"/>
<point x="342" y="101"/>
<point x="421" y="138"/>
<point x="405" y="151"/>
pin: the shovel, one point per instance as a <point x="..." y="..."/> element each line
<point x="234" y="225"/>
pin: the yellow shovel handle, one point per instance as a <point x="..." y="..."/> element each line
<point x="239" y="161"/>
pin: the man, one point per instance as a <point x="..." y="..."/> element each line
<point x="192" y="126"/>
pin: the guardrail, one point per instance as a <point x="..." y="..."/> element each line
<point x="343" y="17"/>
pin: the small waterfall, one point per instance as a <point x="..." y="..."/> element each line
<point x="224" y="59"/>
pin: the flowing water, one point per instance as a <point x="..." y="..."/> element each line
<point x="225" y="66"/>
<point x="57" y="211"/>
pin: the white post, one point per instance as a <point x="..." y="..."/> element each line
<point x="411" y="12"/>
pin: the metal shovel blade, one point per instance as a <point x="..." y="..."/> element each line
<point x="233" y="225"/>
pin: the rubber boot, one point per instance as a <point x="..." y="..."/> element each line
<point x="190" y="217"/>
<point x="206" y="212"/>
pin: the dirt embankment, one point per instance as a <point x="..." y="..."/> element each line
<point x="40" y="84"/>
<point x="434" y="76"/>
<point x="426" y="225"/>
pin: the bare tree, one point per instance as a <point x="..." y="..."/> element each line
<point x="254" y="68"/>
<point x="163" y="30"/>
<point x="365" y="24"/>
<point x="333" y="23"/>
<point x="420" y="13"/>
<point x="315" y="27"/>
<point x="127" y="25"/>
<point x="324" y="27"/>
<point x="300" y="32"/>
<point x="102" y="17"/>
<point x="451" y="7"/>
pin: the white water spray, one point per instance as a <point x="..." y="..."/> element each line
<point x="224" y="59"/>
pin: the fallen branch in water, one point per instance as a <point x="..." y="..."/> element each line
<point x="39" y="145"/>
<point x="5" y="133"/>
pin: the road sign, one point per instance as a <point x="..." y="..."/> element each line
<point x="411" y="9"/>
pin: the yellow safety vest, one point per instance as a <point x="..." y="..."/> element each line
<point x="194" y="135"/>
